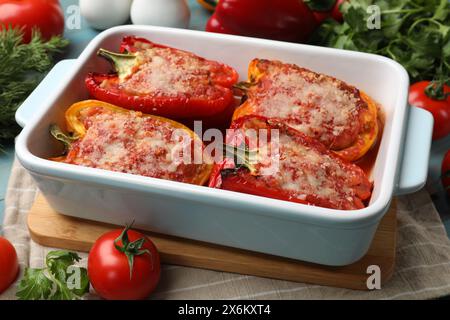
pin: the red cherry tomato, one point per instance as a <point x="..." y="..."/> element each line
<point x="439" y="108"/>
<point x="45" y="15"/>
<point x="9" y="265"/>
<point x="124" y="265"/>
<point x="446" y="172"/>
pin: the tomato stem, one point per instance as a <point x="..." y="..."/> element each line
<point x="130" y="249"/>
<point x="435" y="90"/>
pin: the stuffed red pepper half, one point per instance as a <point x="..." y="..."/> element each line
<point x="286" y="164"/>
<point x="164" y="81"/>
<point x="104" y="136"/>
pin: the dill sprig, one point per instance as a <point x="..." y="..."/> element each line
<point x="22" y="67"/>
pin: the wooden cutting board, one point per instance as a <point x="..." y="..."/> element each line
<point x="49" y="228"/>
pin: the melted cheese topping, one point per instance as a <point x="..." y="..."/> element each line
<point x="132" y="143"/>
<point x="170" y="72"/>
<point x="317" y="105"/>
<point x="305" y="169"/>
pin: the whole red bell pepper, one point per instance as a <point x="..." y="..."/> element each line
<point x="287" y="20"/>
<point x="136" y="85"/>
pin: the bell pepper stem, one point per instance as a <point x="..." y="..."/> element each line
<point x="243" y="85"/>
<point x="67" y="140"/>
<point x="123" y="63"/>
<point x="242" y="157"/>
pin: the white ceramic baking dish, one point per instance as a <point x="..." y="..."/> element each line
<point x="324" y="236"/>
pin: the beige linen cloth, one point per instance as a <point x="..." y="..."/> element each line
<point x="422" y="267"/>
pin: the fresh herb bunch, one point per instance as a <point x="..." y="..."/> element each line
<point x="415" y="33"/>
<point x="55" y="281"/>
<point x="22" y="67"/>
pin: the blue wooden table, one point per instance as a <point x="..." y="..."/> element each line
<point x="81" y="37"/>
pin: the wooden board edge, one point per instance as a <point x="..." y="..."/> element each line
<point x="387" y="267"/>
<point x="47" y="241"/>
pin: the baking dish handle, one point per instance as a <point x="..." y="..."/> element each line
<point x="32" y="104"/>
<point x="416" y="152"/>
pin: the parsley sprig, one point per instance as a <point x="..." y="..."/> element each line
<point x="22" y="67"/>
<point x="56" y="281"/>
<point x="415" y="33"/>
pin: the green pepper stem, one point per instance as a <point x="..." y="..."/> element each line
<point x="123" y="63"/>
<point x="59" y="135"/>
<point x="243" y="85"/>
<point x="242" y="157"/>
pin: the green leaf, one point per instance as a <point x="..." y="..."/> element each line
<point x="392" y="24"/>
<point x="35" y="285"/>
<point x="84" y="284"/>
<point x="356" y="18"/>
<point x="326" y="35"/>
<point x="441" y="13"/>
<point x="446" y="49"/>
<point x="58" y="262"/>
<point x="60" y="280"/>
<point x="344" y="42"/>
<point x="75" y="290"/>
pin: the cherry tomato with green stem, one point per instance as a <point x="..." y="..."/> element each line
<point x="426" y="95"/>
<point x="124" y="265"/>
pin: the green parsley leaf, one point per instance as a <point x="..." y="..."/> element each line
<point x="84" y="284"/>
<point x="60" y="280"/>
<point x="58" y="262"/>
<point x="415" y="33"/>
<point x="35" y="285"/>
